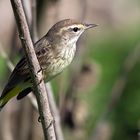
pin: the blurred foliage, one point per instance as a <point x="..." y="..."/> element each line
<point x="110" y="51"/>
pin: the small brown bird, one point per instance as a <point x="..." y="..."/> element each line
<point x="54" y="51"/>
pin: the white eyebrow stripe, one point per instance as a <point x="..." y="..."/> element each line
<point x="75" y="25"/>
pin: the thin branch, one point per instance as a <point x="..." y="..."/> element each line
<point x="54" y="109"/>
<point x="31" y="97"/>
<point x="38" y="83"/>
<point x="55" y="112"/>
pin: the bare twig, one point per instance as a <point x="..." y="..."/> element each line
<point x="31" y="97"/>
<point x="38" y="83"/>
<point x="54" y="109"/>
<point x="55" y="112"/>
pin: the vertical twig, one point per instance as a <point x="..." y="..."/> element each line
<point x="55" y="112"/>
<point x="38" y="83"/>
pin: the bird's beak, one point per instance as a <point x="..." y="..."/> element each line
<point x="87" y="26"/>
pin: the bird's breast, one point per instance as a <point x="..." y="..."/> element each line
<point x="60" y="61"/>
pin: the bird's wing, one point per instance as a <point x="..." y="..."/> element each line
<point x="21" y="72"/>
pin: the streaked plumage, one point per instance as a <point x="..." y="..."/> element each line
<point x="55" y="51"/>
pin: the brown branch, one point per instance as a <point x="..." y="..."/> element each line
<point x="35" y="70"/>
<point x="55" y="112"/>
<point x="54" y="109"/>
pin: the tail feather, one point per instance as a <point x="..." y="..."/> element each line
<point x="2" y="104"/>
<point x="21" y="89"/>
<point x="8" y="96"/>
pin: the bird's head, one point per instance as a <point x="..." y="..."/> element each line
<point x="67" y="31"/>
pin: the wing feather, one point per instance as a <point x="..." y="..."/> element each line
<point x="21" y="71"/>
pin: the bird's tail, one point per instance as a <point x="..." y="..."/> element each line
<point x="1" y="104"/>
<point x="4" y="99"/>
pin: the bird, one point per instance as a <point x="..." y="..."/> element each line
<point x="54" y="51"/>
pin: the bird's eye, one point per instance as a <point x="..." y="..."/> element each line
<point x="75" y="29"/>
